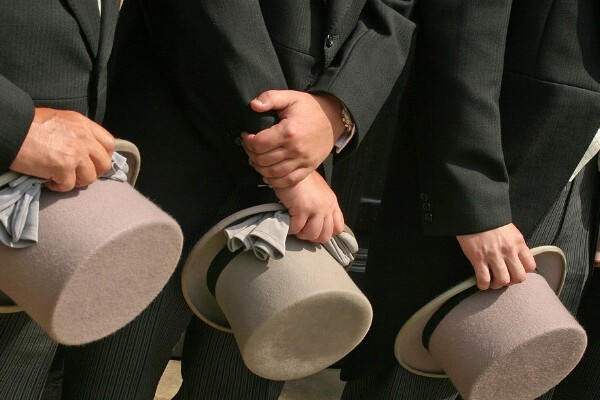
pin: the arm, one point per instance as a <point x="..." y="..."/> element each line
<point x="63" y="146"/>
<point x="456" y="123"/>
<point x="315" y="214"/>
<point x="363" y="63"/>
<point x="220" y="57"/>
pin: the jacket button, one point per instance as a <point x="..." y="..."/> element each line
<point x="426" y="206"/>
<point x="428" y="217"/>
<point x="238" y="141"/>
<point x="329" y="41"/>
<point x="424" y="197"/>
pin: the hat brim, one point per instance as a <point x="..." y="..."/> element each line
<point x="127" y="149"/>
<point x="193" y="277"/>
<point x="409" y="338"/>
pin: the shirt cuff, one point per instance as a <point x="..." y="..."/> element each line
<point x="343" y="140"/>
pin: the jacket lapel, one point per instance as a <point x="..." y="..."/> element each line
<point x="88" y="16"/>
<point x="110" y="13"/>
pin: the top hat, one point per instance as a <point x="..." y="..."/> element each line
<point x="103" y="254"/>
<point x="516" y="342"/>
<point x="291" y="317"/>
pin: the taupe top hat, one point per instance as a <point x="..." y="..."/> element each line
<point x="291" y="317"/>
<point x="512" y="343"/>
<point x="104" y="253"/>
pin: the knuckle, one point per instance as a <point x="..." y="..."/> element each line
<point x="483" y="283"/>
<point x="529" y="267"/>
<point x="291" y="130"/>
<point x="502" y="281"/>
<point x="518" y="278"/>
<point x="104" y="166"/>
<point x="477" y="256"/>
<point x="519" y="238"/>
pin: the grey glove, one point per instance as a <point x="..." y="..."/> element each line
<point x="20" y="205"/>
<point x="342" y="247"/>
<point x="265" y="235"/>
<point x="262" y="233"/>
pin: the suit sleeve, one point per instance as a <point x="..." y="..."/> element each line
<point x="363" y="65"/>
<point x="456" y="118"/>
<point x="221" y="57"/>
<point x="16" y="115"/>
<point x="224" y="48"/>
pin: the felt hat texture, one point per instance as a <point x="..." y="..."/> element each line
<point x="104" y="253"/>
<point x="291" y="317"/>
<point x="511" y="343"/>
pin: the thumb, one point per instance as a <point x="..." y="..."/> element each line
<point x="272" y="100"/>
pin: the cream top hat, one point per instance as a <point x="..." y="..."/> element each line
<point x="511" y="343"/>
<point x="291" y="317"/>
<point x="104" y="252"/>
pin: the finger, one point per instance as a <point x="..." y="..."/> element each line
<point x="312" y="228"/>
<point x="270" y="158"/>
<point x="326" y="231"/>
<point x="101" y="160"/>
<point x="290" y="179"/>
<point x="297" y="222"/>
<point x="264" y="141"/>
<point x="499" y="273"/>
<point x="272" y="100"/>
<point x="527" y="259"/>
<point x="85" y="173"/>
<point x="63" y="183"/>
<point x="103" y="137"/>
<point x="338" y="221"/>
<point x="516" y="269"/>
<point x="482" y="274"/>
<point x="278" y="170"/>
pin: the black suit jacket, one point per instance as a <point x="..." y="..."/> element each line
<point x="199" y="63"/>
<point x="507" y="100"/>
<point x="222" y="54"/>
<point x="503" y="101"/>
<point x="53" y="54"/>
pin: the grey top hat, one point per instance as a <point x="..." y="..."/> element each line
<point x="104" y="252"/>
<point x="511" y="343"/>
<point x="291" y="317"/>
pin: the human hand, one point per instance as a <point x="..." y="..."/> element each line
<point x="315" y="214"/>
<point x="500" y="256"/>
<point x="308" y="127"/>
<point x="65" y="147"/>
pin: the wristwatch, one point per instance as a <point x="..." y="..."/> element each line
<point x="346" y="119"/>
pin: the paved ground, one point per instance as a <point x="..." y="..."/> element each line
<point x="322" y="386"/>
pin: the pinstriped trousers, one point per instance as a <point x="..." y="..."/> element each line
<point x="569" y="225"/>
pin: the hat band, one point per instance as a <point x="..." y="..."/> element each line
<point x="441" y="312"/>
<point x="217" y="265"/>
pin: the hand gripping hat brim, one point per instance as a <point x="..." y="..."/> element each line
<point x="291" y="317"/>
<point x="509" y="343"/>
<point x="104" y="252"/>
